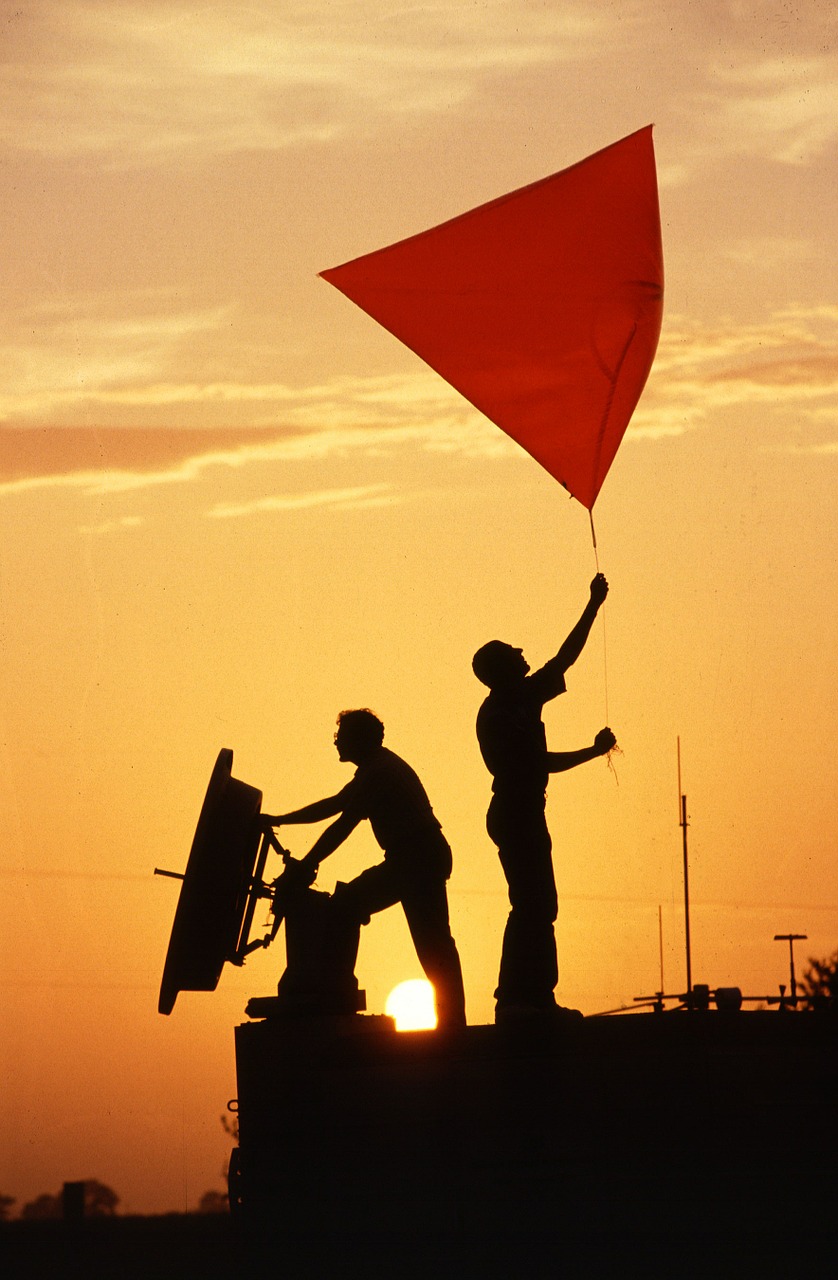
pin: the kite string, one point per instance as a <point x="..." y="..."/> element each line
<point x="593" y="537"/>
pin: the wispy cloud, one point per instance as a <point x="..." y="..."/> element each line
<point x="31" y="457"/>
<point x="785" y="367"/>
<point x="60" y="359"/>
<point x="86" y="364"/>
<point x="771" y="251"/>
<point x="787" y="364"/>
<point x="354" y="498"/>
<point x="784" y="107"/>
<point x="188" y="456"/>
<point x="137" y="81"/>
<point x="757" y="81"/>
<point x="113" y="526"/>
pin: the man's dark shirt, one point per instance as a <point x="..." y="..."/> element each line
<point x="389" y="793"/>
<point x="511" y="733"/>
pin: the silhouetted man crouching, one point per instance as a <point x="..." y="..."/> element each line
<point x="513" y="744"/>
<point x="417" y="858"/>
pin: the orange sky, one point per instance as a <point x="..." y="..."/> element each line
<point x="232" y="505"/>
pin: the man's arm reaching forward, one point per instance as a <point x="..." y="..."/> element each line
<point x="575" y="642"/>
<point x="560" y="761"/>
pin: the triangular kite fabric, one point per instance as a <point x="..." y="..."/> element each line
<point x="543" y="307"/>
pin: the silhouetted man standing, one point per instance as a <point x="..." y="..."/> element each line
<point x="514" y="748"/>
<point x="417" y="857"/>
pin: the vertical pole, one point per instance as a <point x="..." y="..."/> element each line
<point x="686" y="898"/>
<point x="683" y="825"/>
<point x="791" y="938"/>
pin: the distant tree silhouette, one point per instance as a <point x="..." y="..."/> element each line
<point x="819" y="984"/>
<point x="44" y="1206"/>
<point x="100" y="1201"/>
<point x="213" y="1202"/>
<point x="6" y="1203"/>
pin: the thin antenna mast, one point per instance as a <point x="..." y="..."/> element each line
<point x="682" y="801"/>
<point x="791" y="938"/>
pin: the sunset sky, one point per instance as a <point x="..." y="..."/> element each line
<point x="232" y="505"/>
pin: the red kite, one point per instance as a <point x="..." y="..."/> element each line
<point x="543" y="307"/>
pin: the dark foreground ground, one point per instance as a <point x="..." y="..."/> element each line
<point x="186" y="1246"/>
<point x="209" y="1247"/>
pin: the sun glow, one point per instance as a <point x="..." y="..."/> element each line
<point x="412" y="1005"/>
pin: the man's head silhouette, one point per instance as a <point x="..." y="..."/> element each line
<point x="359" y="734"/>
<point x="498" y="664"/>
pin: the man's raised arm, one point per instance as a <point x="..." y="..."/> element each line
<point x="575" y="642"/>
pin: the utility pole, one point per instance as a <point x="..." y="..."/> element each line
<point x="791" y="938"/>
<point x="683" y="825"/>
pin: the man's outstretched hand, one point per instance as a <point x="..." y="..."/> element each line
<point x="599" y="589"/>
<point x="604" y="742"/>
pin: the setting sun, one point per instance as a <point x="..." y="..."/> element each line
<point x="412" y="1005"/>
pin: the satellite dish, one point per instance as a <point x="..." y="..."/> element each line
<point x="212" y="911"/>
